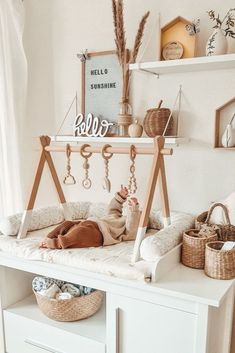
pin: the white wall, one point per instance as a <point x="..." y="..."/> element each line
<point x="57" y="29"/>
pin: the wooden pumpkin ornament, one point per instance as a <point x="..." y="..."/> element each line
<point x="155" y="121"/>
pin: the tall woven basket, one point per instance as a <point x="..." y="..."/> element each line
<point x="219" y="264"/>
<point x="225" y="232"/>
<point x="193" y="249"/>
<point x="74" y="309"/>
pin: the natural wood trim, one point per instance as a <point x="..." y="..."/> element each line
<point x="217" y="129"/>
<point x="38" y="175"/>
<point x="231" y="101"/>
<point x="173" y="22"/>
<point x="100" y="53"/>
<point x="217" y="122"/>
<point x="83" y="82"/>
<point x="156" y="164"/>
<point x="116" y="150"/>
<point x="163" y="190"/>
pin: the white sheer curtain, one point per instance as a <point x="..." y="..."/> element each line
<point x="13" y="80"/>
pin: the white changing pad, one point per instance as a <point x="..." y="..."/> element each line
<point x="111" y="260"/>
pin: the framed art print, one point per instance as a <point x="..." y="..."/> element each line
<point x="101" y="85"/>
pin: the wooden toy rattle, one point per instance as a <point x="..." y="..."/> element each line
<point x="69" y="178"/>
<point x="106" y="156"/>
<point x="86" y="183"/>
<point x="132" y="183"/>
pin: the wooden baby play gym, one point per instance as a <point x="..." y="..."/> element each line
<point x="157" y="171"/>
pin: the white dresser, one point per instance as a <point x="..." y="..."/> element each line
<point x="184" y="312"/>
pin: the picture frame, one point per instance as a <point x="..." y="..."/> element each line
<point x="101" y="85"/>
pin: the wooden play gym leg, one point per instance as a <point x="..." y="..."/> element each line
<point x="157" y="168"/>
<point x="45" y="157"/>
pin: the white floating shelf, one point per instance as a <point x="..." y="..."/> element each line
<point x="120" y="140"/>
<point x="217" y="62"/>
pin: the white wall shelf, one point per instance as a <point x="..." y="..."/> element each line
<point x="121" y="140"/>
<point x="217" y="62"/>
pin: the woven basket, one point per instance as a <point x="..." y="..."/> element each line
<point x="74" y="309"/>
<point x="155" y="122"/>
<point x="219" y="264"/>
<point x="225" y="232"/>
<point x="193" y="249"/>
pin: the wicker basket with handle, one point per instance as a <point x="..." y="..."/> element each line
<point x="193" y="249"/>
<point x="155" y="121"/>
<point x="219" y="264"/>
<point x="74" y="309"/>
<point x="225" y="232"/>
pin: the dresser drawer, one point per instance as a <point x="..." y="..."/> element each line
<point x="42" y="335"/>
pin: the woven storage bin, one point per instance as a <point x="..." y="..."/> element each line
<point x="193" y="249"/>
<point x="74" y="309"/>
<point x="225" y="232"/>
<point x="219" y="264"/>
<point x="155" y="122"/>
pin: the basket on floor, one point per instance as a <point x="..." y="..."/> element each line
<point x="219" y="264"/>
<point x="74" y="309"/>
<point x="193" y="249"/>
<point x="225" y="232"/>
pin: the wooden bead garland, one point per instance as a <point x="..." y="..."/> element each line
<point x="132" y="184"/>
<point x="69" y="178"/>
<point x="86" y="183"/>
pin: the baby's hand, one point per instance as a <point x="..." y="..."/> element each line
<point x="133" y="201"/>
<point x="123" y="192"/>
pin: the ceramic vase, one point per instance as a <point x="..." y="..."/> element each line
<point x="217" y="43"/>
<point x="228" y="138"/>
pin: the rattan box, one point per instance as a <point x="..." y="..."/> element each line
<point x="219" y="264"/>
<point x="74" y="309"/>
<point x="226" y="232"/>
<point x="193" y="249"/>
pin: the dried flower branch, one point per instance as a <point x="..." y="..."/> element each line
<point x="138" y="38"/>
<point x="120" y="39"/>
<point x="121" y="32"/>
<point x="226" y="24"/>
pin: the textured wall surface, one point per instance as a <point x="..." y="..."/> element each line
<point x="56" y="30"/>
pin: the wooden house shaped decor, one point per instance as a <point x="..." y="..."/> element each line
<point x="223" y="116"/>
<point x="175" y="39"/>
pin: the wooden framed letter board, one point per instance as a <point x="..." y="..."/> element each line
<point x="101" y="85"/>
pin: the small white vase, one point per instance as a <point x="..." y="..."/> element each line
<point x="228" y="138"/>
<point x="217" y="43"/>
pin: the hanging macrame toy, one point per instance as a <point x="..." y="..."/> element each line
<point x="86" y="183"/>
<point x="106" y="156"/>
<point x="132" y="184"/>
<point x="69" y="178"/>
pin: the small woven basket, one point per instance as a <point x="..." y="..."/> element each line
<point x="74" y="309"/>
<point x="193" y="249"/>
<point x="156" y="120"/>
<point x="219" y="264"/>
<point x="225" y="232"/>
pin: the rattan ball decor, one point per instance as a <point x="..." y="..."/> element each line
<point x="156" y="120"/>
<point x="74" y="309"/>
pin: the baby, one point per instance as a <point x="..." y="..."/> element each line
<point x="93" y="232"/>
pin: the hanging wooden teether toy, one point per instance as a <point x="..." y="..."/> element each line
<point x="132" y="184"/>
<point x="106" y="156"/>
<point x="86" y="183"/>
<point x="69" y="178"/>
